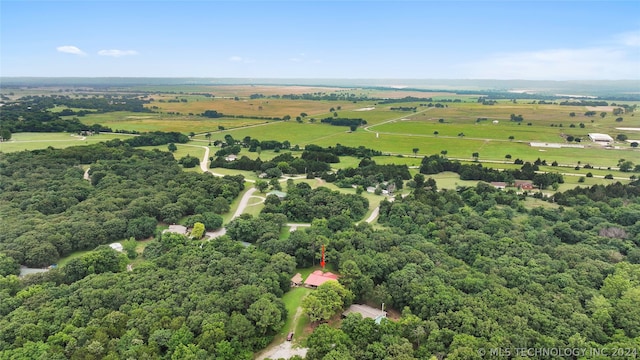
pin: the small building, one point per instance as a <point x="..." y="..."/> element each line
<point x="499" y="185"/>
<point x="296" y="280"/>
<point x="603" y="139"/>
<point x="178" y="229"/>
<point x="281" y="195"/>
<point x="231" y="157"/>
<point x="318" y="278"/>
<point x="116" y="246"/>
<point x="523" y="185"/>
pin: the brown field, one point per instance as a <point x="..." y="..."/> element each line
<point x="247" y="90"/>
<point x="252" y="107"/>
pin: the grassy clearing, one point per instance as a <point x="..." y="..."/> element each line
<point x="248" y="175"/>
<point x="292" y="301"/>
<point x="34" y="141"/>
<point x="65" y="260"/>
<point x="183" y="150"/>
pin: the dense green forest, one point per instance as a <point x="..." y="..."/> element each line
<point x="189" y="301"/>
<point x="47" y="209"/>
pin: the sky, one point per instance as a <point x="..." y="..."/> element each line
<point x="530" y="40"/>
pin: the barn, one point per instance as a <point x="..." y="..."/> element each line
<point x="603" y="139"/>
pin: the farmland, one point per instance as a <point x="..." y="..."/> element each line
<point x="441" y="121"/>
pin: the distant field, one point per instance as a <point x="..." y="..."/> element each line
<point x="251" y="107"/>
<point x="33" y="141"/>
<point x="390" y="131"/>
<point x="131" y="121"/>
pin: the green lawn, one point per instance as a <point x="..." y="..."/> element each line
<point x="33" y="141"/>
<point x="143" y="122"/>
<point x="65" y="260"/>
<point x="292" y="301"/>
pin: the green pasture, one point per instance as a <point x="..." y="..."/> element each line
<point x="482" y="130"/>
<point x="456" y="147"/>
<point x="380" y="114"/>
<point x="295" y="133"/>
<point x="144" y="122"/>
<point x="182" y="151"/>
<point x="34" y="141"/>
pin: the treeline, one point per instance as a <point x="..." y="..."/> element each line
<point x="343" y="122"/>
<point x="284" y="163"/>
<point x="405" y="99"/>
<point x="403" y="108"/>
<point x="304" y="204"/>
<point x="313" y="160"/>
<point x="583" y="103"/>
<point x="153" y="138"/>
<point x="17" y="119"/>
<point x="100" y="104"/>
<point x="611" y="194"/>
<point x="341" y="150"/>
<point x="213" y="114"/>
<point x="435" y="164"/>
<point x="189" y="300"/>
<point x="368" y="173"/>
<point x="320" y="96"/>
<point x="50" y="211"/>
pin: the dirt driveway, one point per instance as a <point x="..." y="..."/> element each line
<point x="284" y="350"/>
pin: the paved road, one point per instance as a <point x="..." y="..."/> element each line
<point x="373" y="215"/>
<point x="243" y="202"/>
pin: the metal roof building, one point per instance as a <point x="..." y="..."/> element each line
<point x="600" y="138"/>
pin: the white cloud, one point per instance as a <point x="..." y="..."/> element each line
<point x="613" y="61"/>
<point x="117" y="53"/>
<point x="70" y="49"/>
<point x="630" y="39"/>
<point x="240" y="59"/>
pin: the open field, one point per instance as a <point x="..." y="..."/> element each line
<point x="390" y="131"/>
<point x="251" y="107"/>
<point x="132" y="121"/>
<point x="33" y="141"/>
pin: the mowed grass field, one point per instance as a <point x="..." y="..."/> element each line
<point x="143" y="122"/>
<point x="33" y="141"/>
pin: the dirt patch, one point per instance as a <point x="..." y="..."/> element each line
<point x="601" y="108"/>
<point x="284" y="351"/>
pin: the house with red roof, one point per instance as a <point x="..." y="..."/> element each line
<point x="318" y="278"/>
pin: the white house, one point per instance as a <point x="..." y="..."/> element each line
<point x="116" y="246"/>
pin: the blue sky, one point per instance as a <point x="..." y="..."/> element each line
<point x="537" y="40"/>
